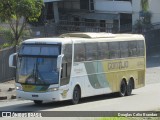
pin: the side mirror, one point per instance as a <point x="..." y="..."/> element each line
<point x="59" y="62"/>
<point x="11" y="60"/>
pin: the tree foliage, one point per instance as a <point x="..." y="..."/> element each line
<point x="18" y="12"/>
<point x="144" y="5"/>
<point x="144" y="23"/>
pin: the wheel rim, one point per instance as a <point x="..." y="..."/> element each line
<point x="76" y="96"/>
<point x="129" y="88"/>
<point x="123" y="88"/>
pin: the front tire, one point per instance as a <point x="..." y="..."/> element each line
<point x="38" y="102"/>
<point x="76" y="95"/>
<point x="123" y="89"/>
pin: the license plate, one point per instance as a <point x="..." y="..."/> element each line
<point x="34" y="95"/>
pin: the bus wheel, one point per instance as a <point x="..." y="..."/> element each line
<point x="76" y="95"/>
<point x="123" y="89"/>
<point x="129" y="88"/>
<point x="38" y="102"/>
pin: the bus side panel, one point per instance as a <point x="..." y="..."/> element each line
<point x="124" y="69"/>
<point x="78" y="77"/>
<point x="94" y="83"/>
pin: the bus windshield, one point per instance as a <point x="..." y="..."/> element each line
<point x="37" y="70"/>
<point x="40" y="50"/>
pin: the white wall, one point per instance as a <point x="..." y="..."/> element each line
<point x="154" y="8"/>
<point x="113" y="6"/>
<point x="136" y="8"/>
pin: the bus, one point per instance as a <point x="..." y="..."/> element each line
<point x="77" y="65"/>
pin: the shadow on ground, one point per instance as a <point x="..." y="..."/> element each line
<point x="30" y="106"/>
<point x="153" y="57"/>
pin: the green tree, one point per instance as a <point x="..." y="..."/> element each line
<point x="18" y="12"/>
<point x="144" y="5"/>
<point x="146" y="15"/>
<point x="145" y="22"/>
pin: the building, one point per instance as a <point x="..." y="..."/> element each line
<point x="153" y="8"/>
<point x="98" y="15"/>
<point x="51" y="10"/>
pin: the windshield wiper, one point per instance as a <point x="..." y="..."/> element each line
<point x="37" y="74"/>
<point x="36" y="71"/>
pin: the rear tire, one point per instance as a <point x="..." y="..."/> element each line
<point x="38" y="102"/>
<point x="129" y="88"/>
<point x="123" y="89"/>
<point x="76" y="95"/>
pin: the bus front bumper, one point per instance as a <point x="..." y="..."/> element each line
<point x="45" y="96"/>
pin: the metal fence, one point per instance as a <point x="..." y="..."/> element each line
<point x="65" y="26"/>
<point x="6" y="73"/>
<point x="152" y="38"/>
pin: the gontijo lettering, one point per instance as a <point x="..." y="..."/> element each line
<point x="117" y="65"/>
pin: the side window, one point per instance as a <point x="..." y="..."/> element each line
<point x="67" y="51"/>
<point x="64" y="70"/>
<point x="103" y="52"/>
<point x="65" y="73"/>
<point x="124" y="49"/>
<point x="132" y="48"/>
<point x="114" y="50"/>
<point x="66" y="65"/>
<point x="140" y="48"/>
<point x="91" y="51"/>
<point x="79" y="52"/>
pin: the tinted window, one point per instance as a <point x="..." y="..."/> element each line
<point x="140" y="48"/>
<point x="84" y="4"/>
<point x="53" y="50"/>
<point x="50" y="50"/>
<point x="124" y="49"/>
<point x="67" y="51"/>
<point x="79" y="52"/>
<point x="132" y="48"/>
<point x="91" y="51"/>
<point x="103" y="52"/>
<point x="114" y="51"/>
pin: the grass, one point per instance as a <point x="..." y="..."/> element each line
<point x="113" y="118"/>
<point x="129" y="118"/>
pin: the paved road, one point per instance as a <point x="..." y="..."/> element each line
<point x="143" y="99"/>
<point x="153" y="69"/>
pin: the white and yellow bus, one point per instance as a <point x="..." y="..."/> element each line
<point x="78" y="65"/>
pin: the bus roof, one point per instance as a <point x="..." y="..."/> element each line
<point x="85" y="37"/>
<point x="47" y="41"/>
<point x="89" y="35"/>
<point x="101" y="37"/>
<point x="97" y="35"/>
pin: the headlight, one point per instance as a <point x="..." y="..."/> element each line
<point x="19" y="88"/>
<point x="52" y="89"/>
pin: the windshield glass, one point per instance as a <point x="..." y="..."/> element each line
<point x="37" y="70"/>
<point x="40" y="50"/>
